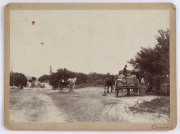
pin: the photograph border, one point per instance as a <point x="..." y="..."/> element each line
<point x="92" y="125"/>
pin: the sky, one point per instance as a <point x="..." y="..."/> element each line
<point x="85" y="41"/>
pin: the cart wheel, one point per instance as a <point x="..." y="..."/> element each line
<point x="140" y="91"/>
<point x="128" y="92"/>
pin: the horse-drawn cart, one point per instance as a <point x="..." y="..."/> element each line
<point x="130" y="83"/>
<point x="70" y="83"/>
<point x="63" y="84"/>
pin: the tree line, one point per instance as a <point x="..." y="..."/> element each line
<point x="83" y="80"/>
<point x="153" y="64"/>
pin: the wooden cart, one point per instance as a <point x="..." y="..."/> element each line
<point x="129" y="83"/>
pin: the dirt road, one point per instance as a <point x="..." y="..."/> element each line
<point x="80" y="105"/>
<point x="33" y="105"/>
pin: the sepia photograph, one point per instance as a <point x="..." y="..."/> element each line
<point x="89" y="66"/>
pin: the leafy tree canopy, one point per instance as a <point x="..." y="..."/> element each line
<point x="154" y="61"/>
<point x="18" y="79"/>
<point x="43" y="78"/>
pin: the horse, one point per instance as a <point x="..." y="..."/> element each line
<point x="72" y="82"/>
<point x="109" y="82"/>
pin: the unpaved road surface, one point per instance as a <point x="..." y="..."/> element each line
<point x="33" y="105"/>
<point x="80" y="105"/>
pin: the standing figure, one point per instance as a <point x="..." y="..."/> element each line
<point x="125" y="71"/>
<point x="75" y="79"/>
<point x="143" y="86"/>
<point x="71" y="84"/>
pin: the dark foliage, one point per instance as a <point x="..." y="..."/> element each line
<point x="92" y="79"/>
<point x="154" y="62"/>
<point x="18" y="79"/>
<point x="44" y="78"/>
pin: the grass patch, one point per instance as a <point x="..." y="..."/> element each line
<point x="158" y="105"/>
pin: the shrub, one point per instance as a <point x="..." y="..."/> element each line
<point x="44" y="78"/>
<point x="92" y="79"/>
<point x="18" y="79"/>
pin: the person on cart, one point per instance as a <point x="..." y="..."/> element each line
<point x="125" y="71"/>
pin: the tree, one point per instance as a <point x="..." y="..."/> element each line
<point x="81" y="78"/>
<point x="154" y="62"/>
<point x="18" y="79"/>
<point x="61" y="74"/>
<point x="44" y="78"/>
<point x="54" y="80"/>
<point x="163" y="49"/>
<point x="86" y="79"/>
